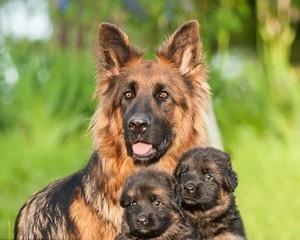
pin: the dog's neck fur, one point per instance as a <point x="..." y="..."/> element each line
<point x="215" y="216"/>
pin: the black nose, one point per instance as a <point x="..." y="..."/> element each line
<point x="139" y="123"/>
<point x="189" y="187"/>
<point x="142" y="220"/>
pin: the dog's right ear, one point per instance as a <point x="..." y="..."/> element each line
<point x="115" y="49"/>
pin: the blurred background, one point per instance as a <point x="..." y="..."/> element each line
<point x="47" y="78"/>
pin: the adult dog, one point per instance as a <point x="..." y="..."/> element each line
<point x="151" y="112"/>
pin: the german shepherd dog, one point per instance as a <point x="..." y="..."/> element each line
<point x="152" y="209"/>
<point x="205" y="184"/>
<point x="151" y="112"/>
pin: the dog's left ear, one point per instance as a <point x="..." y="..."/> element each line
<point x="230" y="178"/>
<point x="183" y="48"/>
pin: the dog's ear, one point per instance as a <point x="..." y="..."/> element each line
<point x="183" y="48"/>
<point x="176" y="201"/>
<point x="115" y="49"/>
<point x="123" y="200"/>
<point x="230" y="178"/>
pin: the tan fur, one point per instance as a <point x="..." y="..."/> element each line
<point x="228" y="236"/>
<point x="89" y="225"/>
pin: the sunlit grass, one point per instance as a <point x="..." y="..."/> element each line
<point x="268" y="169"/>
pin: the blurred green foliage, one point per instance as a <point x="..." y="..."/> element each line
<point x="46" y="90"/>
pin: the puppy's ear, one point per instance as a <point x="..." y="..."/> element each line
<point x="176" y="172"/>
<point x="115" y="49"/>
<point x="230" y="178"/>
<point x="122" y="203"/>
<point x="176" y="201"/>
<point x="183" y="48"/>
<point x="123" y="200"/>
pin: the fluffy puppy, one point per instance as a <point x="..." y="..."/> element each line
<point x="205" y="184"/>
<point x="151" y="209"/>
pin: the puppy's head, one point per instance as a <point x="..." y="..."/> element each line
<point x="202" y="174"/>
<point x="149" y="203"/>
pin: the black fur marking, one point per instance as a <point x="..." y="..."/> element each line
<point x="188" y="83"/>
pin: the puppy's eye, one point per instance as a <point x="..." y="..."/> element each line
<point x="163" y="95"/>
<point x="183" y="172"/>
<point x="156" y="203"/>
<point x="208" y="177"/>
<point x="131" y="204"/>
<point x="129" y="95"/>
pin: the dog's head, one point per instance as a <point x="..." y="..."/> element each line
<point x="149" y="203"/>
<point x="148" y="106"/>
<point x="201" y="175"/>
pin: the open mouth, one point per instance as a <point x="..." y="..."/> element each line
<point x="147" y="233"/>
<point x="143" y="150"/>
<point x="146" y="153"/>
<point x="188" y="200"/>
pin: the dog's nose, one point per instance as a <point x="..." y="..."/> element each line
<point x="142" y="220"/>
<point x="189" y="187"/>
<point x="139" y="123"/>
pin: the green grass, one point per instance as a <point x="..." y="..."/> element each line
<point x="268" y="192"/>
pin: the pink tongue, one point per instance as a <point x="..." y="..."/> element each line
<point x="141" y="148"/>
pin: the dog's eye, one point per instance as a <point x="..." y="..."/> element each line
<point x="163" y="95"/>
<point x="183" y="172"/>
<point x="156" y="203"/>
<point x="208" y="177"/>
<point x="132" y="204"/>
<point x="129" y="95"/>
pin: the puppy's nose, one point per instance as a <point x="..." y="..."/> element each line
<point x="142" y="220"/>
<point x="189" y="187"/>
<point x="139" y="123"/>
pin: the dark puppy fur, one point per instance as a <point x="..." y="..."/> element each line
<point x="205" y="183"/>
<point x="151" y="209"/>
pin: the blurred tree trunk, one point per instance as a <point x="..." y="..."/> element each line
<point x="80" y="26"/>
<point x="59" y="12"/>
<point x="275" y="38"/>
<point x="62" y="31"/>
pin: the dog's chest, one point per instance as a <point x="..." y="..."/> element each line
<point x="91" y="226"/>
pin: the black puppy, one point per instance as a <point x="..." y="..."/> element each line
<point x="151" y="210"/>
<point x="205" y="183"/>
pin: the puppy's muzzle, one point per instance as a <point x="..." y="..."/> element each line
<point x="189" y="187"/>
<point x="142" y="220"/>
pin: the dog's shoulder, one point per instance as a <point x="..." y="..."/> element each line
<point x="45" y="214"/>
